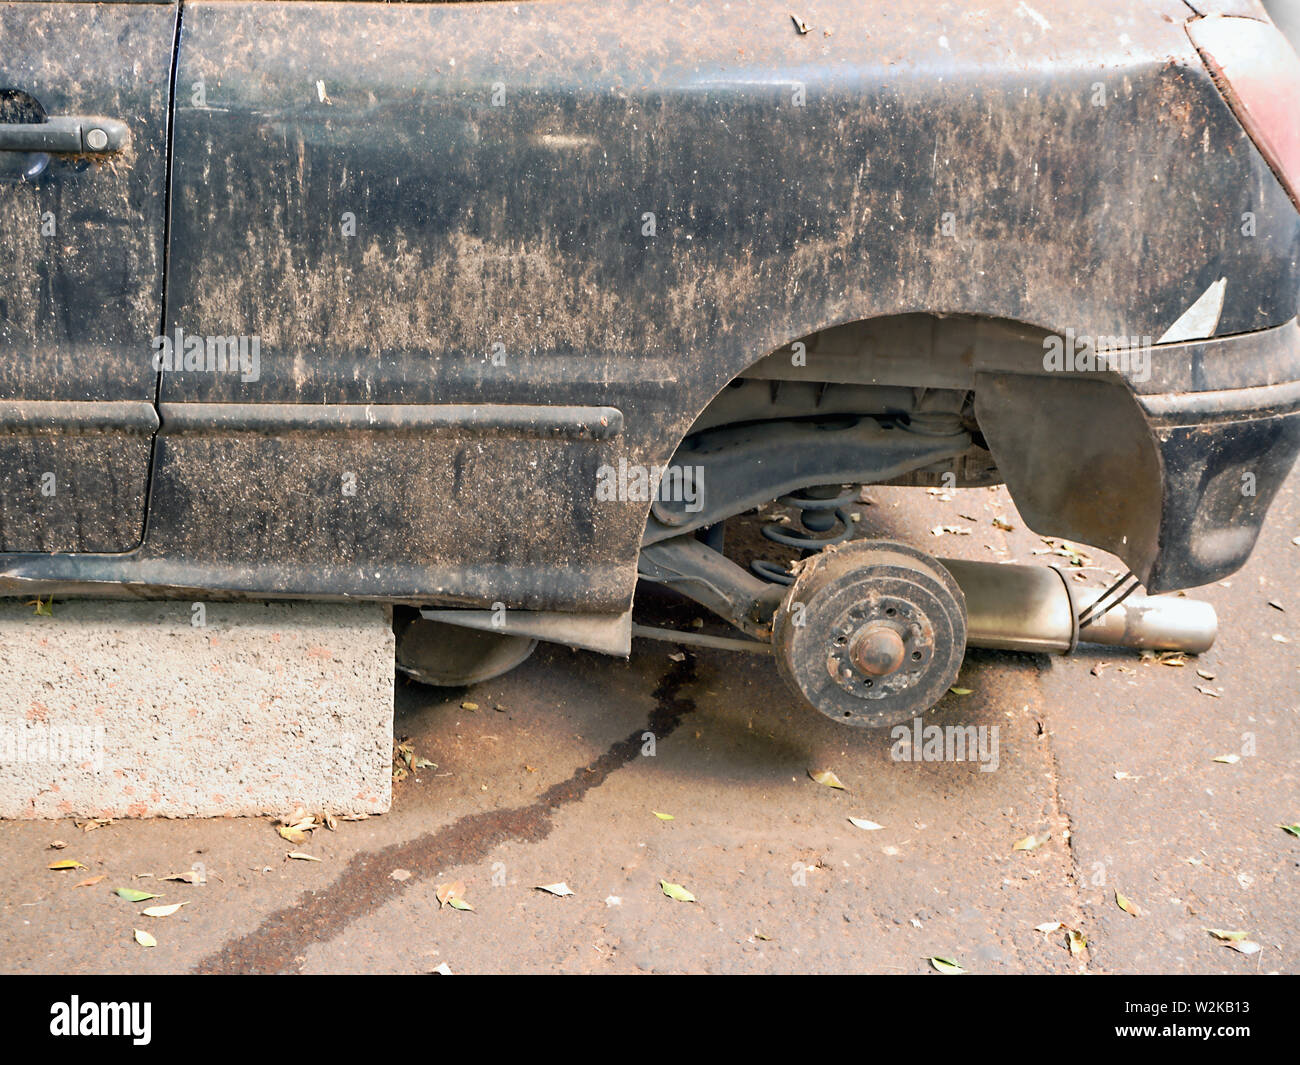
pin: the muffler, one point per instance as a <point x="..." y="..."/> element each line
<point x="1038" y="608"/>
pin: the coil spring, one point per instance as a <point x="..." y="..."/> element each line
<point x="820" y="509"/>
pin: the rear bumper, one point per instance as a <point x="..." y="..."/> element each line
<point x="1225" y="416"/>
<point x="1173" y="469"/>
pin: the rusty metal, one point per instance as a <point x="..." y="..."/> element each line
<point x="452" y="656"/>
<point x="871" y="633"/>
<point x="1037" y="608"/>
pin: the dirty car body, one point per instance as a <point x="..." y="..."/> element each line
<point x="449" y="265"/>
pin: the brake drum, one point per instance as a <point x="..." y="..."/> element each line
<point x="871" y="633"/>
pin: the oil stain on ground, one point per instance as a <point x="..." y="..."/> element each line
<point x="365" y="885"/>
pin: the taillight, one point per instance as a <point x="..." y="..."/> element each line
<point x="1258" y="73"/>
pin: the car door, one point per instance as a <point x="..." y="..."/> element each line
<point x="359" y="394"/>
<point x="84" y="97"/>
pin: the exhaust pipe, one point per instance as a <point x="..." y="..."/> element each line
<point x="1037" y="608"/>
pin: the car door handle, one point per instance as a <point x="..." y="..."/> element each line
<point x="77" y="134"/>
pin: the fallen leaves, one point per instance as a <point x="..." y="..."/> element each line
<point x="1293" y="830"/>
<point x="193" y="876"/>
<point x="145" y="939"/>
<point x="864" y="824"/>
<point x="676" y="892"/>
<point x="1031" y="843"/>
<point x="296" y="826"/>
<point x="406" y="761"/>
<point x="134" y="894"/>
<point x="162" y="911"/>
<point x="1227" y="759"/>
<point x="452" y="895"/>
<point x="1175" y="659"/>
<point x="301" y="857"/>
<point x="1236" y="940"/>
<point x="951" y="530"/>
<point x="67" y="863"/>
<point x="1125" y="904"/>
<point x="827" y="778"/>
<point x="92" y="881"/>
<point x="561" y="889"/>
<point x="1063" y="549"/>
<point x="962" y="691"/>
<point x="946" y="966"/>
<point x="662" y="817"/>
<point x="1074" y="939"/>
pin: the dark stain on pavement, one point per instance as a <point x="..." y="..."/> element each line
<point x="276" y="945"/>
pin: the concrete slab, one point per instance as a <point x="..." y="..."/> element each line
<point x="178" y="709"/>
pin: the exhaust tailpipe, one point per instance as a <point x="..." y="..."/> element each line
<point x="1037" y="608"/>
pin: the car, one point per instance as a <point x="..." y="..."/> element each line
<point x="491" y="311"/>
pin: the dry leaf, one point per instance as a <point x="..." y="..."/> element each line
<point x="92" y="881"/>
<point x="1228" y="759"/>
<point x="293" y="835"/>
<point x="825" y="776"/>
<point x="562" y="889"/>
<point x="67" y="863"/>
<point x="946" y="966"/>
<point x="447" y="892"/>
<point x="162" y="911"/>
<point x="1124" y="904"/>
<point x="1048" y="927"/>
<point x="191" y="877"/>
<point x="1030" y="843"/>
<point x="862" y="823"/>
<point x="676" y="892"/>
<point x="1077" y="941"/>
<point x="145" y="939"/>
<point x="299" y="856"/>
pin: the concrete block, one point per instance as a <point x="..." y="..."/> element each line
<point x="179" y="709"/>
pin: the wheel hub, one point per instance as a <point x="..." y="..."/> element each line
<point x="871" y="633"/>
<point x="877" y="650"/>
